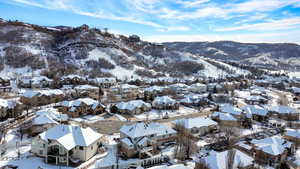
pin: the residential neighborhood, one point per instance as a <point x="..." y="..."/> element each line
<point x="132" y="126"/>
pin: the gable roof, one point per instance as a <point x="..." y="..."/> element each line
<point x="196" y="122"/>
<point x="255" y="109"/>
<point x="142" y="129"/>
<point x="227" y="108"/>
<point x="70" y="136"/>
<point x="274" y="145"/>
<point x="217" y="160"/>
<point x="43" y="119"/>
<point x="293" y="133"/>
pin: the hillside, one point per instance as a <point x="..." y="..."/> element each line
<point x="54" y="51"/>
<point x="265" y="55"/>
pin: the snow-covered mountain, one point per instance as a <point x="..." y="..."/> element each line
<point x="265" y="55"/>
<point x="54" y="51"/>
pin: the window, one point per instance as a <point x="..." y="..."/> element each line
<point x="44" y="145"/>
<point x="80" y="147"/>
<point x="41" y="152"/>
<point x="91" y="147"/>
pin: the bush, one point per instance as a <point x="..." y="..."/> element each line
<point x="18" y="57"/>
<point x="187" y="67"/>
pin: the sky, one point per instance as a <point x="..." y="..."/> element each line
<point x="169" y="20"/>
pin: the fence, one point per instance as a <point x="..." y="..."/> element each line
<point x="146" y="163"/>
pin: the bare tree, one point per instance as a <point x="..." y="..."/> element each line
<point x="230" y="159"/>
<point x="231" y="134"/>
<point x="185" y="146"/>
<point x="201" y="164"/>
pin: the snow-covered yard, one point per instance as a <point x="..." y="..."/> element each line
<point x="159" y="114"/>
<point x="25" y="160"/>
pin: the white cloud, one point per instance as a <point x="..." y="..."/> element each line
<point x="174" y="28"/>
<point x="271" y="25"/>
<point x="191" y="4"/>
<point x="28" y="2"/>
<point x="283" y="37"/>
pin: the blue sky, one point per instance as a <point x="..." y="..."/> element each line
<point x="169" y="20"/>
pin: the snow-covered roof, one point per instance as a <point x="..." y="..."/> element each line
<point x="85" y="87"/>
<point x="242" y="94"/>
<point x="224" y="116"/>
<point x="255" y="109"/>
<point x="72" y="76"/>
<point x="128" y="86"/>
<point x="274" y="145"/>
<point x="283" y="109"/>
<point x="196" y="122"/>
<point x="227" y="108"/>
<point x="53" y="113"/>
<point x="34" y="80"/>
<point x="255" y="98"/>
<point x="48" y="92"/>
<point x="137" y="130"/>
<point x="293" y="133"/>
<point x="127" y="142"/>
<point x="165" y="100"/>
<point x="296" y="90"/>
<point x="192" y="98"/>
<point x="7" y="103"/>
<point x="154" y="89"/>
<point x="217" y="160"/>
<point x="198" y="85"/>
<point x="43" y="119"/>
<point x="178" y="85"/>
<point x="176" y="166"/>
<point x="246" y="146"/>
<point x="104" y="80"/>
<point x="142" y="129"/>
<point x="79" y="102"/>
<point x="70" y="136"/>
<point x="132" y="105"/>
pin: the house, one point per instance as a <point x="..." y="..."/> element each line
<point x="194" y="100"/>
<point x="296" y="91"/>
<point x="178" y="88"/>
<point x="175" y="166"/>
<point x="164" y="103"/>
<point x="198" y="126"/>
<point x="256" y="100"/>
<point x="284" y="112"/>
<point x="218" y="160"/>
<point x="256" y="112"/>
<point x="4" y="82"/>
<point x="234" y="111"/>
<point x="10" y="108"/>
<point x="245" y="147"/>
<point x="271" y="150"/>
<point x="66" y="144"/>
<point x="226" y="119"/>
<point x="215" y="87"/>
<point x="104" y="82"/>
<point x="153" y="91"/>
<point x="34" y="82"/>
<point x="127" y="92"/>
<point x="292" y="135"/>
<point x="73" y="80"/>
<point x="81" y="107"/>
<point x="132" y="107"/>
<point x="86" y="91"/>
<point x="144" y="138"/>
<point x="41" y="123"/>
<point x="197" y="88"/>
<point x="42" y="97"/>
<point x="53" y="114"/>
<point x="222" y="98"/>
